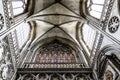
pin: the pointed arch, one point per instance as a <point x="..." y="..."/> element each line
<point x="108" y="54"/>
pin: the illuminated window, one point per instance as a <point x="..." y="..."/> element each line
<point x="22" y="31"/>
<point x="19" y="6"/>
<point x="88" y="35"/>
<point x="95" y="7"/>
<point x="55" y="52"/>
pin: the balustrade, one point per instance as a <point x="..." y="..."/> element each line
<point x="53" y="65"/>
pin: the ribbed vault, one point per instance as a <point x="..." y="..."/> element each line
<point x="58" y="20"/>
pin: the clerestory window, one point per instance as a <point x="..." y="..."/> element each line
<point x="22" y="32"/>
<point x="19" y="6"/>
<point x="95" y="8"/>
<point x="88" y="36"/>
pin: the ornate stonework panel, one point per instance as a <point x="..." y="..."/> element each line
<point x="6" y="65"/>
<point x="113" y="24"/>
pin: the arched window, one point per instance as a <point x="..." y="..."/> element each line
<point x="88" y="35"/>
<point x="95" y="7"/>
<point x="22" y="33"/>
<point x="55" y="52"/>
<point x="19" y="6"/>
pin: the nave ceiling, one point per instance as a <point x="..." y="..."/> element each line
<point x="80" y="37"/>
<point x="57" y="13"/>
<point x="57" y="19"/>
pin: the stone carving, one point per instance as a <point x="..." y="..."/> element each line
<point x="1" y="21"/>
<point x="6" y="67"/>
<point x="109" y="75"/>
<point x="113" y="24"/>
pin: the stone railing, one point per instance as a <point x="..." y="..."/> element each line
<point x="54" y="74"/>
<point x="53" y="65"/>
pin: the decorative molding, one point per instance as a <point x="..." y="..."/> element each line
<point x="104" y="25"/>
<point x="7" y="20"/>
<point x="10" y="40"/>
<point x="6" y="64"/>
<point x="97" y="48"/>
<point x="8" y="25"/>
<point x="53" y="76"/>
<point x="104" y="22"/>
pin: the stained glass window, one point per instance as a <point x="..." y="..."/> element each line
<point x="55" y="52"/>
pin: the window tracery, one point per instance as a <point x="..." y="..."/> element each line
<point x="55" y="52"/>
<point x="113" y="24"/>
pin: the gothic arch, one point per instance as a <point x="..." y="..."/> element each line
<point x="62" y="36"/>
<point x="83" y="6"/>
<point x="73" y="45"/>
<point x="107" y="52"/>
<point x="49" y="39"/>
<point x="79" y="57"/>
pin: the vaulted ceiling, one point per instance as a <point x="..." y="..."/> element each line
<point x="57" y="19"/>
<point x="62" y="14"/>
